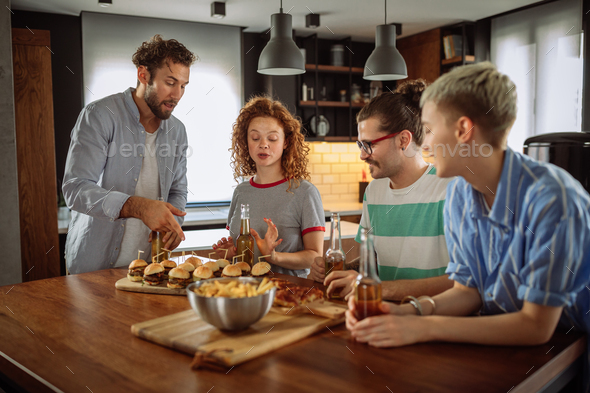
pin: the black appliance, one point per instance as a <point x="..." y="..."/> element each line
<point x="567" y="150"/>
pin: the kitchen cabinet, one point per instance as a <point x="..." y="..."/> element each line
<point x="422" y="54"/>
<point x="35" y="144"/>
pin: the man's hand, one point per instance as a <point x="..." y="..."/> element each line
<point x="318" y="271"/>
<point x="271" y="239"/>
<point x="171" y="240"/>
<point x="156" y="215"/>
<point x="225" y="244"/>
<point x="343" y="279"/>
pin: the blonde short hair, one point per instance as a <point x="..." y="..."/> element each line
<point x="480" y="92"/>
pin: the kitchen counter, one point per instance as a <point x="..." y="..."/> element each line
<point x="73" y="334"/>
<point x="204" y="239"/>
<point x="214" y="216"/>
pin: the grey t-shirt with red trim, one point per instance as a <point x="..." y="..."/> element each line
<point x="294" y="212"/>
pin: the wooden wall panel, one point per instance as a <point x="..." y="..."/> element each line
<point x="35" y="143"/>
<point x="422" y="54"/>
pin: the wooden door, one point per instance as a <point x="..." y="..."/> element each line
<point x="35" y="145"/>
<point x="422" y="54"/>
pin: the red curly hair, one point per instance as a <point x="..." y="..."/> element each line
<point x="294" y="159"/>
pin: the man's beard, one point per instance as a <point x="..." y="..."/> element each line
<point x="151" y="99"/>
<point x="389" y="172"/>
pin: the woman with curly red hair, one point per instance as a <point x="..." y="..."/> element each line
<point x="268" y="146"/>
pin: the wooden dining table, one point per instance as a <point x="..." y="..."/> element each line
<point x="73" y="334"/>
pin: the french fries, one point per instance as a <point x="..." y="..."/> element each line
<point x="233" y="289"/>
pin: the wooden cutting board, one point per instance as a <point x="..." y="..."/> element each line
<point x="162" y="289"/>
<point x="321" y="308"/>
<point x="213" y="348"/>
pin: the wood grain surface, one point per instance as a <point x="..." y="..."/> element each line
<point x="188" y="333"/>
<point x="35" y="145"/>
<point x="422" y="54"/>
<point x="74" y="333"/>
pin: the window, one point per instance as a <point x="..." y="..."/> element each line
<point x="212" y="100"/>
<point x="540" y="49"/>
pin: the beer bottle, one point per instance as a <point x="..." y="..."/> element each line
<point x="367" y="288"/>
<point x="158" y="244"/>
<point x="335" y="256"/>
<point x="245" y="242"/>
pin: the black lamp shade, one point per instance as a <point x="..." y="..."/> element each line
<point x="281" y="56"/>
<point x="312" y="20"/>
<point x="385" y="63"/>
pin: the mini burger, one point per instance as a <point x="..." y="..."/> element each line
<point x="188" y="267"/>
<point x="261" y="269"/>
<point x="231" y="271"/>
<point x="167" y="265"/>
<point x="136" y="269"/>
<point x="214" y="268"/>
<point x="202" y="273"/>
<point x="244" y="267"/>
<point x="153" y="274"/>
<point x="178" y="278"/>
<point x="196" y="262"/>
<point x="222" y="263"/>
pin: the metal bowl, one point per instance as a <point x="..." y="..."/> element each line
<point x="230" y="313"/>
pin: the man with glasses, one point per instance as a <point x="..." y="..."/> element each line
<point x="403" y="206"/>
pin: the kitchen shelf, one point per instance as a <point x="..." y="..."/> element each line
<point x="334" y="69"/>
<point x="458" y="60"/>
<point x="331" y="104"/>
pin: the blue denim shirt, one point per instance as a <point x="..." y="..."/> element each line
<point x="532" y="245"/>
<point x="104" y="161"/>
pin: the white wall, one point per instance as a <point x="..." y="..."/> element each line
<point x="210" y="104"/>
<point x="540" y="50"/>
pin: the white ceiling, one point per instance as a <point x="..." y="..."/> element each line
<point x="338" y="18"/>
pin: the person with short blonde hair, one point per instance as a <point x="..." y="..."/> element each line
<point x="517" y="230"/>
<point x="481" y="93"/>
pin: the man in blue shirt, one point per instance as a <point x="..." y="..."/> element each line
<point x="517" y="230"/>
<point x="126" y="152"/>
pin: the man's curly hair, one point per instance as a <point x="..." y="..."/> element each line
<point x="157" y="52"/>
<point x="294" y="159"/>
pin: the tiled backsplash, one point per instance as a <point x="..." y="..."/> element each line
<point x="336" y="170"/>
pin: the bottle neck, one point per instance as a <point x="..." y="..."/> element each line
<point x="335" y="240"/>
<point x="368" y="267"/>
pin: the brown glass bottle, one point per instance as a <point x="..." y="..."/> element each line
<point x="245" y="242"/>
<point x="158" y="245"/>
<point x="367" y="291"/>
<point x="335" y="256"/>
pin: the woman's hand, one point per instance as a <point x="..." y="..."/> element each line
<point x="317" y="272"/>
<point x="388" y="330"/>
<point x="225" y="244"/>
<point x="271" y="239"/>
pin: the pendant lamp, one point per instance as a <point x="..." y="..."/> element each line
<point x="385" y="62"/>
<point x="281" y="56"/>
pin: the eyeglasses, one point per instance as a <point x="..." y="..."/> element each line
<point x="367" y="146"/>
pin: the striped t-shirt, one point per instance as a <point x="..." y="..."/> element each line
<point x="408" y="226"/>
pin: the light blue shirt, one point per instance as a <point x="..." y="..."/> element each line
<point x="103" y="165"/>
<point x="533" y="245"/>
